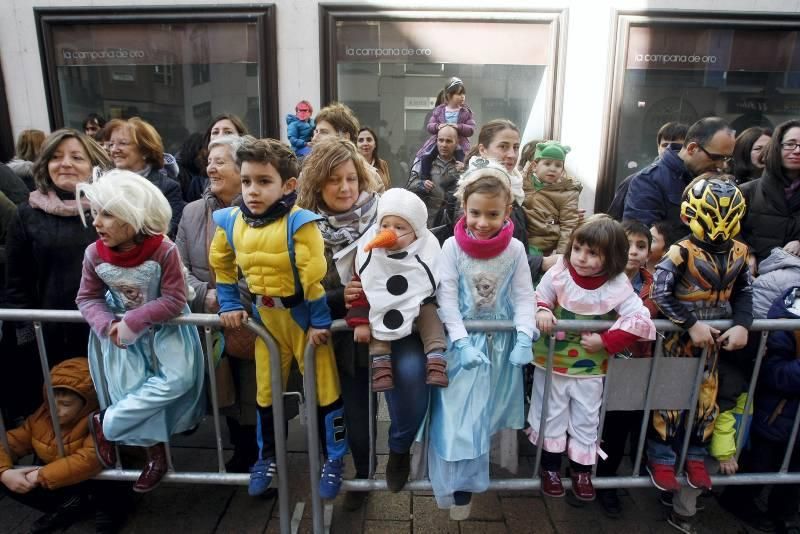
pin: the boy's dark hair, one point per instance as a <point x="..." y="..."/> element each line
<point x="341" y="118"/>
<point x="94" y="117"/>
<point x="672" y="130"/>
<point x="633" y="227"/>
<point x="606" y="235"/>
<point x="67" y="392"/>
<point x="671" y="231"/>
<point x="269" y="151"/>
<point x="703" y="130"/>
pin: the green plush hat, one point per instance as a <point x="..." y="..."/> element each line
<point x="551" y="150"/>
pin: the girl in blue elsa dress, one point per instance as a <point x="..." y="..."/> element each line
<point x="148" y="376"/>
<point x="484" y="275"/>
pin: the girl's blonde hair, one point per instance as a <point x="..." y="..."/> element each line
<point x="607" y="237"/>
<point x="130" y="198"/>
<point x="317" y="167"/>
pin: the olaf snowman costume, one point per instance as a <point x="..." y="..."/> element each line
<point x="398" y="282"/>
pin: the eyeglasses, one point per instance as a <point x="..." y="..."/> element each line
<point x="121" y="144"/>
<point x="716" y="157"/>
<point x="790" y="146"/>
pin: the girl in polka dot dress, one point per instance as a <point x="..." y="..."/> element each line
<point x="589" y="283"/>
<point x="483" y="275"/>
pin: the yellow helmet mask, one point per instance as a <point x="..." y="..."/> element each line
<point x="713" y="208"/>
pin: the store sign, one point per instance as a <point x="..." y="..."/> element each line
<point x="155" y="44"/>
<point x="682" y="48"/>
<point x="491" y="43"/>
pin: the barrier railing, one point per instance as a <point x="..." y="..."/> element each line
<point x="652" y="395"/>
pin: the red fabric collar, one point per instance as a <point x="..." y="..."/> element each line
<point x="133" y="257"/>
<point x="483" y="249"/>
<point x="587" y="282"/>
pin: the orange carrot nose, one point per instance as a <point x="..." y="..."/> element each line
<point x="385" y="238"/>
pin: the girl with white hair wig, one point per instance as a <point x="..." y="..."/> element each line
<point x="131" y="199"/>
<point x="149" y="380"/>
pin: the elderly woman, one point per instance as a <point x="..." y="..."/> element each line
<point x="46" y="240"/>
<point x="136" y="146"/>
<point x="337" y="184"/>
<point x="195" y="233"/>
<point x="773" y="201"/>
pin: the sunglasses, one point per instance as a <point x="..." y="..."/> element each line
<point x="716" y="157"/>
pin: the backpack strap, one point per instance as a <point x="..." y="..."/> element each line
<point x="297" y="218"/>
<point x="226" y="219"/>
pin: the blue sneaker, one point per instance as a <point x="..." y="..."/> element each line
<point x="261" y="476"/>
<point x="331" y="479"/>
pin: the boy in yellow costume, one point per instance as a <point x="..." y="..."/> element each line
<point x="280" y="250"/>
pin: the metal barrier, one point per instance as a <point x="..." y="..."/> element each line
<point x="651" y="396"/>
<point x="654" y="366"/>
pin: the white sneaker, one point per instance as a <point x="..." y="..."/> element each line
<point x="460" y="512"/>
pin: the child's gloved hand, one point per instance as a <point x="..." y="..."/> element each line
<point x="522" y="353"/>
<point x="469" y="356"/>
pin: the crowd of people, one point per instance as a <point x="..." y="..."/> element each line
<point x="294" y="236"/>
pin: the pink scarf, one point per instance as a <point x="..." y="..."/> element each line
<point x="483" y="249"/>
<point x="50" y="203"/>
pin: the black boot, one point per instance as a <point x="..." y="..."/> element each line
<point x="397" y="470"/>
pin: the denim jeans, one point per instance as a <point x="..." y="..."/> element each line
<point x="659" y="452"/>
<point x="408" y="401"/>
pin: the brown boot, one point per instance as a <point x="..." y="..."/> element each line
<point x="106" y="452"/>
<point x="154" y="470"/>
<point x="436" y="372"/>
<point x="382" y="379"/>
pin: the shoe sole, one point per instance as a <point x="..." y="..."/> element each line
<point x="688" y="481"/>
<point x="676" y="526"/>
<point x="658" y="486"/>
<point x="584" y="499"/>
<point x="97" y="449"/>
<point x="147" y="490"/>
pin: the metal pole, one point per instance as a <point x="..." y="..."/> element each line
<point x="648" y="399"/>
<point x="281" y="459"/>
<point x="51" y="401"/>
<point x="312" y="429"/>
<point x="372" y="430"/>
<point x="548" y="384"/>
<point x="698" y="380"/>
<point x="748" y="405"/>
<point x="603" y="409"/>
<point x="212" y="383"/>
<point x="787" y="457"/>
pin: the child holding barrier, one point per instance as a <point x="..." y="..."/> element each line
<point x="484" y="275"/>
<point x="281" y="254"/>
<point x="701" y="278"/>
<point x="149" y="376"/>
<point x="589" y="283"/>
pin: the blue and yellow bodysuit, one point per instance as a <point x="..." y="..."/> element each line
<point x="283" y="263"/>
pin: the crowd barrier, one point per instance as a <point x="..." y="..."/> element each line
<point x="631" y="384"/>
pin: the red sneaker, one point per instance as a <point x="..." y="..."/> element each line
<point x="663" y="477"/>
<point x="697" y="475"/>
<point x="551" y="484"/>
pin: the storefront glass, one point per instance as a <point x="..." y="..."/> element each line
<point x="390" y="72"/>
<point x="750" y="77"/>
<point x="176" y="75"/>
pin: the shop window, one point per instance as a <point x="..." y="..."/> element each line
<point x="174" y="67"/>
<point x="685" y="67"/>
<point x="389" y="66"/>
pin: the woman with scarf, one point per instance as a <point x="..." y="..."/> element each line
<point x="335" y="184"/>
<point x="44" y="247"/>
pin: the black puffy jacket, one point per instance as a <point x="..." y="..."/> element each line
<point x="771" y="220"/>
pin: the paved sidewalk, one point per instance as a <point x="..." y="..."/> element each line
<point x="222" y="509"/>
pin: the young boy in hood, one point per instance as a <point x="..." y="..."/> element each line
<point x="58" y="487"/>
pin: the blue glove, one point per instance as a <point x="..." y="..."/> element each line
<point x="469" y="356"/>
<point x="522" y="353"/>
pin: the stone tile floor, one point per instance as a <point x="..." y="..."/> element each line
<point x="199" y="509"/>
